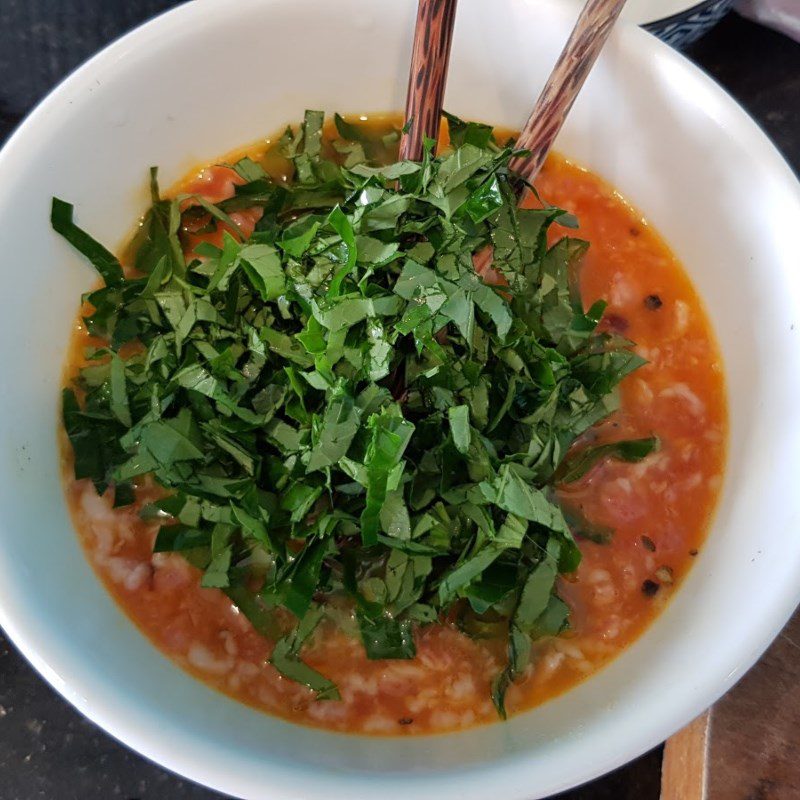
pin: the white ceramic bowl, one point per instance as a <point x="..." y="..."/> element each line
<point x="681" y="23"/>
<point x="212" y="75"/>
<point x="645" y="12"/>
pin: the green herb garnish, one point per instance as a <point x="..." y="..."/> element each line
<point x="341" y="410"/>
<point x="631" y="450"/>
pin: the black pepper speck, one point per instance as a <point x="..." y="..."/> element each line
<point x="649" y="588"/>
<point x="653" y="302"/>
<point x="649" y="544"/>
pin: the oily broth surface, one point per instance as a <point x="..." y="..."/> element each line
<point x="669" y="499"/>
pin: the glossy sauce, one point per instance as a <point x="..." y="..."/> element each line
<point x="659" y="508"/>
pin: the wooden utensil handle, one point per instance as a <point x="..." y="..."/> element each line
<point x="433" y="36"/>
<point x="576" y="60"/>
<point x="684" y="768"/>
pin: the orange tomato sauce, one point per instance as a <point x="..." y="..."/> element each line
<point x="659" y="508"/>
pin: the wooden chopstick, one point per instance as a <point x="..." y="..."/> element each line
<point x="587" y="39"/>
<point x="590" y="33"/>
<point x="433" y="35"/>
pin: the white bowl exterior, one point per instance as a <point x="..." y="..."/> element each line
<point x="211" y="76"/>
<point x="642" y="12"/>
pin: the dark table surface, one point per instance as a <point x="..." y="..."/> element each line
<point x="47" y="750"/>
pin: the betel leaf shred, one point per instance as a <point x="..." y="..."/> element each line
<point x="342" y="414"/>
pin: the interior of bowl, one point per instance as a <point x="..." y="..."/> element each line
<point x="211" y="76"/>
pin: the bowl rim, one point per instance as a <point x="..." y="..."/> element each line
<point x="75" y="688"/>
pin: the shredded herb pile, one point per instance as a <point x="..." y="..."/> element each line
<point x="344" y="415"/>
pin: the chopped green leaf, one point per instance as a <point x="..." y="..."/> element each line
<point x="106" y="263"/>
<point x="632" y="450"/>
<point x="459" y="427"/>
<point x="292" y="667"/>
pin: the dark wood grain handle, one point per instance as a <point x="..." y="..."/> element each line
<point x="433" y="35"/>
<point x="574" y="64"/>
